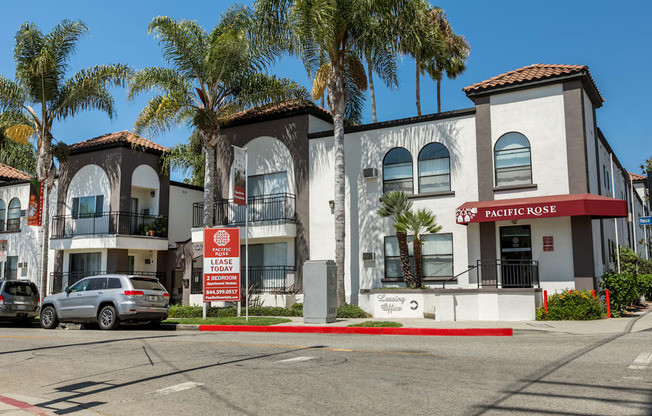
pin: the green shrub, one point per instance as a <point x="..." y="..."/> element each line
<point x="645" y="285"/>
<point x="297" y="307"/>
<point x="180" y="311"/>
<point x="623" y="290"/>
<point x="572" y="306"/>
<point x="350" y="311"/>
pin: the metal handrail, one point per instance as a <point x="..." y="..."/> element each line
<point x="458" y="275"/>
<point x="101" y="223"/>
<point x="262" y="208"/>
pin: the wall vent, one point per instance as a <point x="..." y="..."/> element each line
<point x="370" y="173"/>
<point x="368" y="256"/>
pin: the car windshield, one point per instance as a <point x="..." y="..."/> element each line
<point x="20" y="288"/>
<point x="145" y="284"/>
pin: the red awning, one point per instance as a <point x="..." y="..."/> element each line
<point x="594" y="206"/>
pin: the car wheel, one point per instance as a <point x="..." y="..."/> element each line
<point x="49" y="318"/>
<point x="108" y="318"/>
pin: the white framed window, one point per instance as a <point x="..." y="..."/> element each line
<point x="3" y="210"/>
<point x="87" y="206"/>
<point x="13" y="215"/>
<point x="267" y="184"/>
<point x="397" y="171"/>
<point x="512" y="160"/>
<point x="436" y="256"/>
<point x="434" y="168"/>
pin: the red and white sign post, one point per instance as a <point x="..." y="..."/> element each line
<point x="221" y="264"/>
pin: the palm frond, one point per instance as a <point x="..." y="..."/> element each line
<point x="183" y="43"/>
<point x="161" y="80"/>
<point x="20" y="133"/>
<point x="161" y="113"/>
<point x="356" y="72"/>
<point x="321" y="81"/>
<point x="12" y="96"/>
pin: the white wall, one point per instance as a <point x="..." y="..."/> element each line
<point x="538" y="114"/>
<point x="144" y="180"/>
<point x="316" y="125"/>
<point x="180" y="212"/>
<point x="365" y="229"/>
<point x="89" y="181"/>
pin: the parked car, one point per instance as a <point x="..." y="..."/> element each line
<point x="107" y="300"/>
<point x="19" y="300"/>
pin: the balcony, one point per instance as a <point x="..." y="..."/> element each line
<point x="109" y="223"/>
<point x="501" y="273"/>
<point x="276" y="208"/>
<point x="263" y="279"/>
<point x="57" y="278"/>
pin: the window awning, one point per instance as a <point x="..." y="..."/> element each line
<point x="591" y="205"/>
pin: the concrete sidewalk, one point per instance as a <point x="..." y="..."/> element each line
<point x="637" y="322"/>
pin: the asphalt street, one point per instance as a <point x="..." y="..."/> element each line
<point x="138" y="372"/>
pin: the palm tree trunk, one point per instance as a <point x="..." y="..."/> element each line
<point x="209" y="181"/>
<point x="337" y="103"/>
<point x="418" y="86"/>
<point x="45" y="173"/>
<point x="372" y="91"/>
<point x="418" y="269"/>
<point x="439" y="95"/>
<point x="404" y="255"/>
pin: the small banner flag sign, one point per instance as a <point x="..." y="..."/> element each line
<point x="239" y="176"/>
<point x="35" y="207"/>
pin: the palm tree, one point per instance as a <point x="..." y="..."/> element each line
<point x="41" y="95"/>
<point x="418" y="38"/>
<point x="450" y="55"/>
<point x="328" y="35"/>
<point x="423" y="221"/>
<point x="189" y="158"/>
<point x="213" y="76"/>
<point x="393" y="204"/>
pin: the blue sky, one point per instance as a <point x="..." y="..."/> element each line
<point x="613" y="39"/>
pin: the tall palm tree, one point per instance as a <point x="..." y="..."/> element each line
<point x="328" y="35"/>
<point x="417" y="224"/>
<point x="451" y="53"/>
<point x="213" y="76"/>
<point x="188" y="158"/>
<point x="392" y="205"/>
<point x="41" y="95"/>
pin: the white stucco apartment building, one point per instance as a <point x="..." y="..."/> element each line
<point x="529" y="194"/>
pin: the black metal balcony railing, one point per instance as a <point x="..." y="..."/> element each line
<point x="502" y="273"/>
<point x="264" y="208"/>
<point x="114" y="222"/>
<point x="263" y="279"/>
<point x="71" y="278"/>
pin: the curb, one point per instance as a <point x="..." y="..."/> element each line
<point x="441" y="332"/>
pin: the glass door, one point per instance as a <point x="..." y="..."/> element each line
<point x="516" y="268"/>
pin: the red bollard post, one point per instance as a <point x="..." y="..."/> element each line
<point x="545" y="302"/>
<point x="571" y="291"/>
<point x="608" y="304"/>
<point x="593" y="294"/>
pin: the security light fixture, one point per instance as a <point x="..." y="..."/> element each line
<point x="331" y="204"/>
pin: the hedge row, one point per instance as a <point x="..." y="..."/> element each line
<point x="626" y="289"/>
<point x="575" y="305"/>
<point x="184" y="311"/>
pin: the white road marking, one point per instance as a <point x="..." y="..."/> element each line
<point x="296" y="359"/>
<point x="179" y="387"/>
<point x="641" y="362"/>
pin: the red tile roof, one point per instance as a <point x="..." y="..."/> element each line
<point x="531" y="73"/>
<point x="285" y="108"/>
<point x="9" y="173"/>
<point x="123" y="136"/>
<point x="636" y="176"/>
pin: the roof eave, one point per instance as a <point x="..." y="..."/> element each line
<point x="312" y="111"/>
<point x="120" y="143"/>
<point x="583" y="76"/>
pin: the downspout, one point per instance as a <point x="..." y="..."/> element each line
<point x="613" y="194"/>
<point x="631" y="195"/>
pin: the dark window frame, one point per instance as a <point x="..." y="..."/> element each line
<point x="441" y="174"/>
<point x="3" y="214"/>
<point x="529" y="149"/>
<point x="386" y="181"/>
<point x="13" y="224"/>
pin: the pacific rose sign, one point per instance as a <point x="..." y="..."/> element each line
<point x="221" y="264"/>
<point x="594" y="206"/>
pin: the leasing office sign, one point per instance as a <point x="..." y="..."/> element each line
<point x="221" y="264"/>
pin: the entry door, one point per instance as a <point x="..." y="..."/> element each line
<point x="515" y="256"/>
<point x="131" y="264"/>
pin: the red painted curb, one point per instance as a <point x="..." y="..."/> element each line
<point x="293" y="329"/>
<point x="462" y="332"/>
<point x="451" y="332"/>
<point x="23" y="406"/>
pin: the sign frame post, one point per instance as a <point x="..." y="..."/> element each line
<point x="241" y="197"/>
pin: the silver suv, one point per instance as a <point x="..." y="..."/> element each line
<point x="107" y="300"/>
<point x="18" y="300"/>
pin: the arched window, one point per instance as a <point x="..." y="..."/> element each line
<point x="397" y="171"/>
<point x="512" y="160"/>
<point x="13" y="215"/>
<point x="2" y="215"/>
<point x="434" y="168"/>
